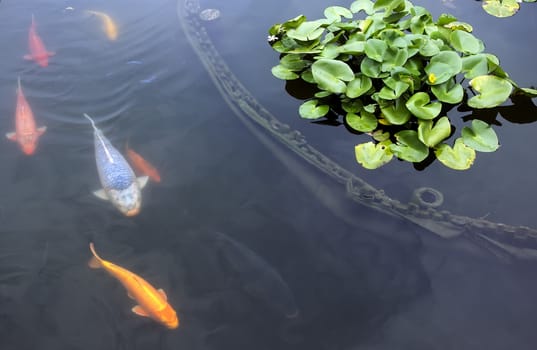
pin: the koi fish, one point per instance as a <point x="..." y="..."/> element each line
<point x="109" y="26"/>
<point x="151" y="302"/>
<point x="141" y="165"/>
<point x="26" y="133"/>
<point x="120" y="185"/>
<point x="38" y="52"/>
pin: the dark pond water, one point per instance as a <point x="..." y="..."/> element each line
<point x="255" y="247"/>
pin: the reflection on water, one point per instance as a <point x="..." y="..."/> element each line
<point x="234" y="237"/>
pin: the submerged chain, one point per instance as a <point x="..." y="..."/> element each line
<point x="520" y="241"/>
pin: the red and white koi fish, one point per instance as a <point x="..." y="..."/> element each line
<point x="38" y="52"/>
<point x="26" y="133"/>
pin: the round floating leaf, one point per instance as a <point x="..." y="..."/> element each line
<point x="443" y="66"/>
<point x="375" y="49"/>
<point x="354" y="47"/>
<point x="372" y="156"/>
<point x="281" y="72"/>
<point x="449" y="92"/>
<point x="409" y="147"/>
<point x="480" y="137"/>
<point x="466" y="42"/>
<point x="307" y="76"/>
<point x="380" y="135"/>
<point x="529" y="92"/>
<point x="352" y="106"/>
<point x="307" y="30"/>
<point x="493" y="91"/>
<point x="334" y="13"/>
<point x="394" y="57"/>
<point x="460" y="157"/>
<point x="310" y="110"/>
<point x="419" y="105"/>
<point x="294" y="62"/>
<point x="370" y="68"/>
<point x="475" y="65"/>
<point x="459" y="25"/>
<point x="501" y="8"/>
<point x="363" y="5"/>
<point x="358" y="86"/>
<point x="432" y="135"/>
<point x="395" y="113"/>
<point x="331" y="75"/>
<point x="365" y="122"/>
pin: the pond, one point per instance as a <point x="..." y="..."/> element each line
<point x="263" y="231"/>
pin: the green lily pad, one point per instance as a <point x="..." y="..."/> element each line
<point x="294" y="62"/>
<point x="443" y="66"/>
<point x="283" y="73"/>
<point x="475" y="65"/>
<point x="358" y="86"/>
<point x="395" y="113"/>
<point x="334" y="13"/>
<point x="365" y="122"/>
<point x="432" y="135"/>
<point x="372" y="156"/>
<point x="394" y="89"/>
<point x="419" y="105"/>
<point x="362" y="5"/>
<point x="480" y="137"/>
<point x="528" y="91"/>
<point x="459" y="25"/>
<point x="380" y="135"/>
<point x="501" y="8"/>
<point x="331" y="75"/>
<point x="465" y="42"/>
<point x="449" y="92"/>
<point x="311" y="110"/>
<point x="375" y="49"/>
<point x="307" y="76"/>
<point x="460" y="157"/>
<point x="352" y="106"/>
<point x="307" y="30"/>
<point x="409" y="147"/>
<point x="371" y="68"/>
<point x="493" y="91"/>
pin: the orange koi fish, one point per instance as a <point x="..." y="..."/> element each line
<point x="151" y="302"/>
<point x="38" y="52"/>
<point x="26" y="133"/>
<point x="109" y="26"/>
<point x="141" y="165"/>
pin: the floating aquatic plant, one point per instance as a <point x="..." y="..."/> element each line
<point x="393" y="75"/>
<point x="502" y="8"/>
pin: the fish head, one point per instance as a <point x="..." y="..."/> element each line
<point x="128" y="200"/>
<point x="168" y="317"/>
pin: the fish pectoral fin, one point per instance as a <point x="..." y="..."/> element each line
<point x="11" y="136"/>
<point x="28" y="57"/>
<point x="41" y="130"/>
<point x="138" y="310"/>
<point x="142" y="181"/>
<point x="130" y="296"/>
<point x="51" y="53"/>
<point x="101" y="194"/>
<point x="163" y="294"/>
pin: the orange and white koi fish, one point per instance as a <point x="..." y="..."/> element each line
<point x="151" y="302"/>
<point x="109" y="26"/>
<point x="26" y="133"/>
<point x="38" y="52"/>
<point x="141" y="165"/>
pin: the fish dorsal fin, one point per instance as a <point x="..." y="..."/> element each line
<point x="41" y="130"/>
<point x="98" y="133"/>
<point x="163" y="294"/>
<point x="142" y="181"/>
<point x="101" y="194"/>
<point x="138" y="310"/>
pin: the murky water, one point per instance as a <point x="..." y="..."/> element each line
<point x="250" y="254"/>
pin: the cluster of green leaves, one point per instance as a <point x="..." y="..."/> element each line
<point x="502" y="8"/>
<point x="390" y="75"/>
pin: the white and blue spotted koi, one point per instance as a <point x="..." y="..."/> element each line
<point x="120" y="185"/>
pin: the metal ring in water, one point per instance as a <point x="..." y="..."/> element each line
<point x="427" y="197"/>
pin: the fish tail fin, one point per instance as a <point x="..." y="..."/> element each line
<point x="95" y="262"/>
<point x="19" y="83"/>
<point x="33" y="20"/>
